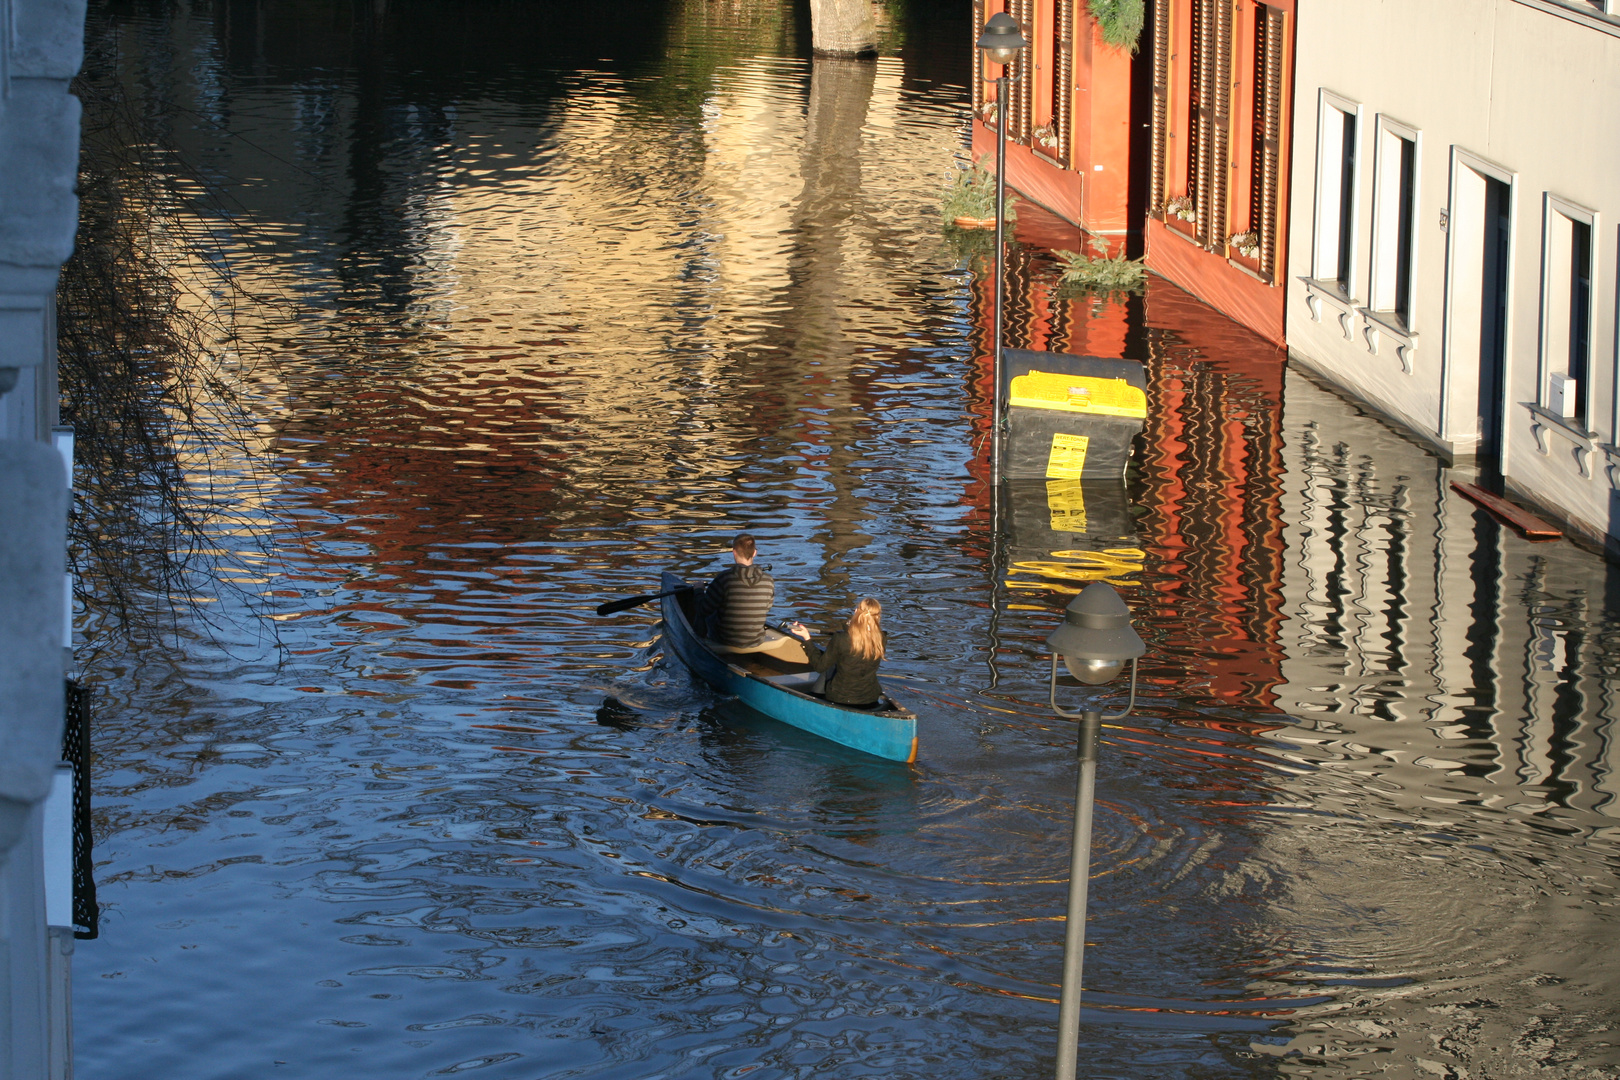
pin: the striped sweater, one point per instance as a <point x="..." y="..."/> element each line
<point x="735" y="605"/>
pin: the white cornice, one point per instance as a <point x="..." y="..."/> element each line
<point x="1578" y="12"/>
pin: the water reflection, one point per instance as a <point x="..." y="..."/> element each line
<point x="551" y="322"/>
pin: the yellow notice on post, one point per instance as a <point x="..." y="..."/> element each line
<point x="1068" y="457"/>
<point x="1066" y="499"/>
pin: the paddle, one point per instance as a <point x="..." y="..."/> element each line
<point x="636" y="601"/>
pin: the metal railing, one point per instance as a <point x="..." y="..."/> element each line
<point x="76" y="752"/>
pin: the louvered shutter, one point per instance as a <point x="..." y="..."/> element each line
<point x="1161" y="108"/>
<point x="1208" y="164"/>
<point x="1021" y="106"/>
<point x="1267" y="133"/>
<point x="980" y="87"/>
<point x="1063" y="79"/>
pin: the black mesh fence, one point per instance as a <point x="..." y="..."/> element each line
<point x="76" y="752"/>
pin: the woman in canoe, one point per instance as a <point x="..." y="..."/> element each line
<point x="849" y="663"/>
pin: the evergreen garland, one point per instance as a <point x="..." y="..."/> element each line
<point x="1120" y="20"/>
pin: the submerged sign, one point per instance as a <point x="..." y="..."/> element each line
<point x="1070" y="417"/>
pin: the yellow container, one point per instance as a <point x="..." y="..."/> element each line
<point x="1078" y="394"/>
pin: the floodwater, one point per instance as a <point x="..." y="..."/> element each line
<point x="558" y="297"/>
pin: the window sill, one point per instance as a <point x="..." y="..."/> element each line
<point x="1176" y="226"/>
<point x="1238" y="262"/>
<point x="1544" y="420"/>
<point x="1327" y="294"/>
<point x="1382" y="324"/>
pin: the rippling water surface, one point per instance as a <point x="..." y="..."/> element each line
<point x="557" y="301"/>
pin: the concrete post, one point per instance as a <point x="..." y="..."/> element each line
<point x="41" y="48"/>
<point x="843" y="27"/>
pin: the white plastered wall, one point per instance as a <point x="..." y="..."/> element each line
<point x="1513" y="89"/>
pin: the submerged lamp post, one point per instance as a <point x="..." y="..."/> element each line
<point x="1095" y="640"/>
<point x="1001" y="42"/>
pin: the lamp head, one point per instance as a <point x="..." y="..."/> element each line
<point x="1096" y="637"/>
<point x="1001" y="39"/>
<point x="1093" y="672"/>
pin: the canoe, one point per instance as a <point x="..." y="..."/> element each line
<point x="781" y="689"/>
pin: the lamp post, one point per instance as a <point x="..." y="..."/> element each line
<point x="1095" y="640"/>
<point x="1001" y="42"/>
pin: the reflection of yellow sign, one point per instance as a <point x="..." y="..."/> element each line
<point x="1080" y="567"/>
<point x="1066" y="499"/>
<point x="1078" y="393"/>
<point x="1068" y="458"/>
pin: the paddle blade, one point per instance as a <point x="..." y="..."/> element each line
<point x="636" y="601"/>
<point x="628" y="602"/>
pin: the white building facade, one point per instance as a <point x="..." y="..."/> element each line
<point x="1455" y="234"/>
<point x="41" y="47"/>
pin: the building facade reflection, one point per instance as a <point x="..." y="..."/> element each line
<point x="1205" y="481"/>
<point x="1419" y="626"/>
<point x="1299" y="559"/>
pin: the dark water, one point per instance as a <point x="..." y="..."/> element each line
<point x="560" y="296"/>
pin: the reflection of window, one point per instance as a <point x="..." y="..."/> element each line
<point x="1394" y="204"/>
<point x="1566" y="308"/>
<point x="1335" y="245"/>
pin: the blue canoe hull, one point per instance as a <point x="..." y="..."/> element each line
<point x="891" y="733"/>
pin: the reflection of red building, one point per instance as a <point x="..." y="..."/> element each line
<point x="1208" y="474"/>
<point x="1208" y="188"/>
<point x="1211" y="460"/>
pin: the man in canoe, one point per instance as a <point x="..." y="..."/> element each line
<point x="735" y="604"/>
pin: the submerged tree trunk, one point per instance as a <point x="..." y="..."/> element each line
<point x="843" y="27"/>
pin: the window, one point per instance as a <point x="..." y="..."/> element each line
<point x="1336" y="179"/>
<point x="1394" y="209"/>
<point x="1566" y="309"/>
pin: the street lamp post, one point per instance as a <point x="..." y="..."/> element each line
<point x="1095" y="640"/>
<point x="1001" y="42"/>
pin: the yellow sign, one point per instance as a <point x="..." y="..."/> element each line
<point x="1066" y="499"/>
<point x="1079" y="394"/>
<point x="1068" y="458"/>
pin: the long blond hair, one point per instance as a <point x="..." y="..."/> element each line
<point x="866" y="630"/>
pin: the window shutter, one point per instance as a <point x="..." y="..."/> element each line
<point x="1208" y="164"/>
<point x="980" y="91"/>
<point x="1268" y="105"/>
<point x="1020" y="110"/>
<point x="1063" y="80"/>
<point x="1161" y="108"/>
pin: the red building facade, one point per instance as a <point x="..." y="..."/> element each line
<point x="1207" y="189"/>
<point x="1068" y="114"/>
<point x="1222" y="76"/>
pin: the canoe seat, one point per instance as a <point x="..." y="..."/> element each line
<point x="797" y="680"/>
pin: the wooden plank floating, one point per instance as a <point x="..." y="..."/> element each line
<point x="1532" y="527"/>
